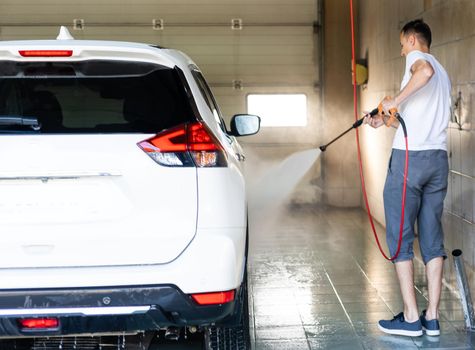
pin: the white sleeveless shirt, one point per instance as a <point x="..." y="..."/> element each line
<point x="427" y="112"/>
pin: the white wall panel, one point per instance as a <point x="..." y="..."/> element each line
<point x="184" y="11"/>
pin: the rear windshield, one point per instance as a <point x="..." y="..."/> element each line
<point x="95" y="96"/>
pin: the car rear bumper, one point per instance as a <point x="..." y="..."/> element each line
<point x="213" y="261"/>
<point x="106" y="310"/>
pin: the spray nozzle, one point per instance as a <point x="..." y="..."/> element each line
<point x="354" y="126"/>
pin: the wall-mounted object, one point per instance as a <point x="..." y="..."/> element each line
<point x="361" y="72"/>
<point x="237" y="85"/>
<point x="157" y="24"/>
<point x="236" y="24"/>
<point x="78" y="24"/>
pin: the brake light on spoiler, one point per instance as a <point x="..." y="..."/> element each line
<point x="186" y="145"/>
<point x="46" y="53"/>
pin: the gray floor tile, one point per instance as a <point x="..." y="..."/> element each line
<point x="363" y="288"/>
<point x="262" y="321"/>
<point x="317" y="266"/>
<point x="318" y="299"/>
<point x="369" y="317"/>
<point x="282" y="345"/>
<point x="280" y="333"/>
<point x="320" y="308"/>
<point x="337" y="341"/>
<point x="383" y="342"/>
<point x="271" y="310"/>
<point x="445" y="341"/>
<point x="367" y="297"/>
<point x="366" y="307"/>
<point x="317" y="319"/>
<point x="333" y="328"/>
<point x="314" y="289"/>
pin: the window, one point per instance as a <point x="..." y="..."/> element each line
<point x="95" y="96"/>
<point x="279" y="109"/>
<point x="209" y="98"/>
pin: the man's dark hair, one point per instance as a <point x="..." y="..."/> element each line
<point x="419" y="28"/>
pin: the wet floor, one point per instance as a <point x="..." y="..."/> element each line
<point x="318" y="281"/>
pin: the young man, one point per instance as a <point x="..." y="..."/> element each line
<point x="424" y="104"/>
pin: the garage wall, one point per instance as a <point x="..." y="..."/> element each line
<point x="453" y="29"/>
<point x="340" y="177"/>
<point x="276" y="51"/>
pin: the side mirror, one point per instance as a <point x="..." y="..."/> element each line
<point x="245" y="124"/>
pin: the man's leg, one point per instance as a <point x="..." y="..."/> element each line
<point x="405" y="275"/>
<point x="407" y="322"/>
<point x="431" y="236"/>
<point x="434" y="270"/>
<point x="392" y="209"/>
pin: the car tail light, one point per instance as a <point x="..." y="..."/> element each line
<point x="185" y="145"/>
<point x="39" y="323"/>
<point x="46" y="53"/>
<point x="214" y="298"/>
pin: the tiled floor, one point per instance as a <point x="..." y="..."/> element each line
<point x="318" y="281"/>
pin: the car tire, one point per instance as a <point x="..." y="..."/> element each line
<point x="231" y="337"/>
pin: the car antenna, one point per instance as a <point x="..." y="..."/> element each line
<point x="64" y="34"/>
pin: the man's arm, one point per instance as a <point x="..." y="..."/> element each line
<point x="421" y="71"/>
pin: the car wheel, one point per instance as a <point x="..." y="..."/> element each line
<point x="233" y="337"/>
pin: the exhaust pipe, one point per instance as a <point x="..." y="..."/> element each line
<point x="464" y="289"/>
<point x="172" y="333"/>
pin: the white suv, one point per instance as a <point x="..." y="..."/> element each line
<point x="122" y="198"/>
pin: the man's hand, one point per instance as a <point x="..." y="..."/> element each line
<point x="388" y="103"/>
<point x="375" y="121"/>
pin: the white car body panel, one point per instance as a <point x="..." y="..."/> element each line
<point x="214" y="261"/>
<point x="143" y="214"/>
<point x="217" y="187"/>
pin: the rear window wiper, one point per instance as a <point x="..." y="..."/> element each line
<point x="14" y="120"/>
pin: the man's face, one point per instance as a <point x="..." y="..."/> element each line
<point x="407" y="43"/>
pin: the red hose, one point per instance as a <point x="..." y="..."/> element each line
<point x="363" y="187"/>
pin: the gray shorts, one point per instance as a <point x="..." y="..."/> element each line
<point x="425" y="193"/>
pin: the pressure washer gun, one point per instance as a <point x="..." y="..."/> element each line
<point x="388" y="121"/>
